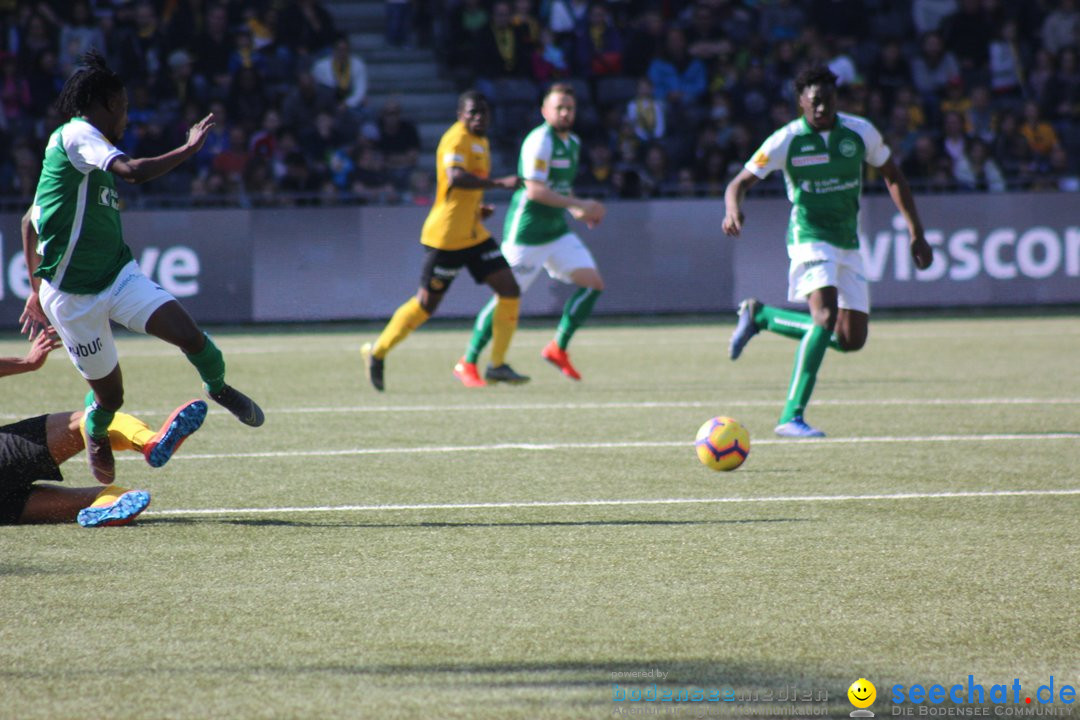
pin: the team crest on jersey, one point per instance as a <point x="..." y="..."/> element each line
<point x="847" y="148"/>
<point x="109" y="198"/>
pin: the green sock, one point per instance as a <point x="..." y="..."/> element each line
<point x="481" y="334"/>
<point x="98" y="418"/>
<point x="575" y="313"/>
<point x="803" y="376"/>
<point x="789" y="323"/>
<point x="211" y="365"/>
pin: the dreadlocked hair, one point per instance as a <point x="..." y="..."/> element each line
<point x="92" y="82"/>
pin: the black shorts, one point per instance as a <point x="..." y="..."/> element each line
<point x="442" y="266"/>
<point x="24" y="458"/>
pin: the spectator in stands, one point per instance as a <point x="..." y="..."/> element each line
<point x="781" y="20"/>
<point x="924" y="162"/>
<point x="45" y="82"/>
<point x="15" y="96"/>
<point x="712" y="173"/>
<point x="525" y="20"/>
<point x="967" y="34"/>
<point x="891" y="71"/>
<point x="178" y="86"/>
<point x="934" y="68"/>
<point x="345" y="73"/>
<point x="299" y="179"/>
<point x="398" y="142"/>
<point x="1059" y="29"/>
<point x="1061" y="173"/>
<point x="1063" y="95"/>
<point x="928" y="15"/>
<point x="1040" y="135"/>
<point x="645" y="43"/>
<point x="549" y="61"/>
<point x="1007" y="57"/>
<point x="596" y="180"/>
<point x="645" y="113"/>
<point x="421" y="188"/>
<point x="981" y="119"/>
<point x="1011" y="149"/>
<point x="370" y="182"/>
<point x="78" y="34"/>
<point x="599" y="48"/>
<point x="246" y="55"/>
<point x="678" y="79"/>
<point x="976" y="170"/>
<point x="656" y="177"/>
<point x="232" y="160"/>
<point x="305" y="28"/>
<point x="502" y="49"/>
<point x="466" y="23"/>
<point x="954" y="140"/>
<point x="305" y="99"/>
<point x="1039" y="77"/>
<point x="213" y="48"/>
<point x="248" y="100"/>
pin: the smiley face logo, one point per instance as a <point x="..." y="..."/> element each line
<point x="862" y="693"/>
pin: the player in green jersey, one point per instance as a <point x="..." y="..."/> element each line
<point x="83" y="275"/>
<point x="537" y="237"/>
<point x="821" y="155"/>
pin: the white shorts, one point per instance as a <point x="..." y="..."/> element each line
<point x="560" y="258"/>
<point x="82" y="321"/>
<point x="817" y="265"/>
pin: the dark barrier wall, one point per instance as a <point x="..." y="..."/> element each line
<point x="656" y="257"/>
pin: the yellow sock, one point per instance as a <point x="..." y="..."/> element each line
<point x="108" y="495"/>
<point x="127" y="432"/>
<point x="503" y="324"/>
<point x="406" y="318"/>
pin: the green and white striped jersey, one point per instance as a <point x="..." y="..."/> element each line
<point x="548" y="158"/>
<point x="76" y="211"/>
<point x="823" y="175"/>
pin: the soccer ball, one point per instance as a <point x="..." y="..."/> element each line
<point x="722" y="443"/>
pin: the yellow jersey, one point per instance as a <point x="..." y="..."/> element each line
<point x="454" y="220"/>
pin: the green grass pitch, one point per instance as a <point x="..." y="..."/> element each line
<point x="512" y="552"/>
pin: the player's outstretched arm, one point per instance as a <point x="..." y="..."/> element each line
<point x="140" y="170"/>
<point x="465" y="180"/>
<point x="733" y="199"/>
<point x="40" y="347"/>
<point x="900" y="192"/>
<point x="589" y="212"/>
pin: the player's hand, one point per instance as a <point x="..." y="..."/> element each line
<point x="198" y="132"/>
<point x="40" y="347"/>
<point x="509" y="182"/>
<point x="921" y="252"/>
<point x="33" y="318"/>
<point x="589" y="212"/>
<point x="733" y="222"/>
<point x="486" y="211"/>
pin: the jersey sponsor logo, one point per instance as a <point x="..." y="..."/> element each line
<point x="848" y="148"/>
<point x="491" y="255"/>
<point x="560" y="163"/>
<point x="804" y="160"/>
<point x="478" y="148"/>
<point x="761" y="159"/>
<point x="79" y="350"/>
<point x="807" y="148"/>
<point x="444" y="273"/>
<point x="109" y="198"/>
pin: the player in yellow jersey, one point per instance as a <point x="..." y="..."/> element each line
<point x="456" y="238"/>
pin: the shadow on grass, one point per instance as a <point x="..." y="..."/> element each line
<point x="276" y="522"/>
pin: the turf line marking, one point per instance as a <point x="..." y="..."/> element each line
<point x="617" y="503"/>
<point x="495" y="447"/>
<point x="642" y="405"/>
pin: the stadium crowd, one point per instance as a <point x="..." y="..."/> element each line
<point x="673" y="95"/>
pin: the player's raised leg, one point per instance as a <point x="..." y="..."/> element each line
<point x="172" y="323"/>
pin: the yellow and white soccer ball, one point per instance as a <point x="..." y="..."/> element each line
<point x="722" y="443"/>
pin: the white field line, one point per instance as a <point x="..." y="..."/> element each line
<point x="640" y="405"/>
<point x="620" y="502"/>
<point x="647" y="444"/>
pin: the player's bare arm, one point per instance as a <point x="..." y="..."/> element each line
<point x="900" y="192"/>
<point x="140" y="170"/>
<point x="465" y="180"/>
<point x="33" y="318"/>
<point x="733" y="199"/>
<point x="40" y="347"/>
<point x="590" y="212"/>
